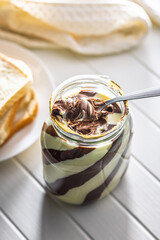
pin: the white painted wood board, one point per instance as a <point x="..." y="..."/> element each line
<point x="27" y="204"/>
<point x="149" y="51"/>
<point x="7" y="230"/>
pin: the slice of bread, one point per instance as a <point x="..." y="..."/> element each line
<point x="15" y="80"/>
<point x="6" y="122"/>
<point x="21" y="114"/>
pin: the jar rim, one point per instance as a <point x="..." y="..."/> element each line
<point x="112" y="86"/>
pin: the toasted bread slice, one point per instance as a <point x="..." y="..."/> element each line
<point x="21" y="114"/>
<point x="15" y="80"/>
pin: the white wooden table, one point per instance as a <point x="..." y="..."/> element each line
<point x="132" y="211"/>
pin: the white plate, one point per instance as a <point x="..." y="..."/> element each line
<point x="43" y="85"/>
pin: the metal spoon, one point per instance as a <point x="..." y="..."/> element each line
<point x="145" y="93"/>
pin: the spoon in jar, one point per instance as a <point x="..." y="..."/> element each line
<point x="145" y="93"/>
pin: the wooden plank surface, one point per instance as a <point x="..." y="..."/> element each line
<point x="146" y="142"/>
<point x="63" y="64"/>
<point x="7" y="229"/>
<point x="140" y="194"/>
<point x="149" y="51"/>
<point x="132" y="211"/>
<point x="27" y="204"/>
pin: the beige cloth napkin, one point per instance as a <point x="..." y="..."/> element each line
<point x="84" y="26"/>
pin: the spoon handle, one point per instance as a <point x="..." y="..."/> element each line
<point x="145" y="93"/>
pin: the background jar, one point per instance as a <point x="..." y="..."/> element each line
<point x="78" y="169"/>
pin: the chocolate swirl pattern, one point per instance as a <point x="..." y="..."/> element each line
<point x="78" y="174"/>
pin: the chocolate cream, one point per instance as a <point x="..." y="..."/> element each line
<point x="82" y="114"/>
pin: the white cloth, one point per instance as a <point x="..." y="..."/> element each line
<point x="84" y="26"/>
<point x="152" y="7"/>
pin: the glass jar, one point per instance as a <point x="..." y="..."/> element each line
<point x="78" y="169"/>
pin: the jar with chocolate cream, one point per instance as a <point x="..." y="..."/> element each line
<point x="85" y="150"/>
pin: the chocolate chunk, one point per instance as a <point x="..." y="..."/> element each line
<point x="82" y="113"/>
<point x="88" y="93"/>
